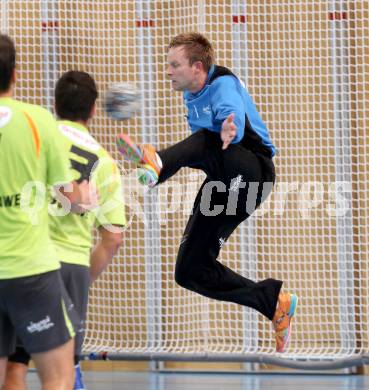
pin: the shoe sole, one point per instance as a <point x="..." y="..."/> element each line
<point x="133" y="153"/>
<point x="129" y="149"/>
<point x="291" y="313"/>
<point x="294" y="302"/>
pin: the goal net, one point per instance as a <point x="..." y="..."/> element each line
<point x="306" y="64"/>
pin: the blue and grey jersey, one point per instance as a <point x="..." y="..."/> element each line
<point x="222" y="95"/>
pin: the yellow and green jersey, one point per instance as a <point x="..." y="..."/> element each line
<point x="31" y="159"/>
<point x="72" y="234"/>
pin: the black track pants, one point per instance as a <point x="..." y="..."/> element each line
<point x="237" y="182"/>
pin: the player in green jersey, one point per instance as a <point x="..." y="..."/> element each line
<point x="72" y="235"/>
<point x="33" y="302"/>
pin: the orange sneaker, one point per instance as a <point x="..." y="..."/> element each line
<point x="144" y="156"/>
<point x="286" y="309"/>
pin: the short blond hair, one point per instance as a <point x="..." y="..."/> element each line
<point x="197" y="48"/>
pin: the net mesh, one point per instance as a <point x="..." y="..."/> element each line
<point x="306" y="65"/>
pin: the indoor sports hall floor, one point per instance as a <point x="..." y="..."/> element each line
<point x="195" y="381"/>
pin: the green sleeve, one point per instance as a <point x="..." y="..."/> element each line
<point x="108" y="183"/>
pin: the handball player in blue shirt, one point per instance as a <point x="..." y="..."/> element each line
<point x="231" y="144"/>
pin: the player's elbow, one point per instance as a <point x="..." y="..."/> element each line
<point x="112" y="241"/>
<point x="117" y="242"/>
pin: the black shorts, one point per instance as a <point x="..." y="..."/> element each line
<point x="38" y="310"/>
<point x="76" y="279"/>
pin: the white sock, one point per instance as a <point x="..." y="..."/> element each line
<point x="158" y="159"/>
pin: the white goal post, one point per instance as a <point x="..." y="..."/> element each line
<point x="306" y="64"/>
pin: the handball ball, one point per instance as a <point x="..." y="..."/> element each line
<point x="122" y="101"/>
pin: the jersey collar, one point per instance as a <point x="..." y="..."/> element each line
<point x="76" y="125"/>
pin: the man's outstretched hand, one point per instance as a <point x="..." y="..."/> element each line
<point x="228" y="131"/>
